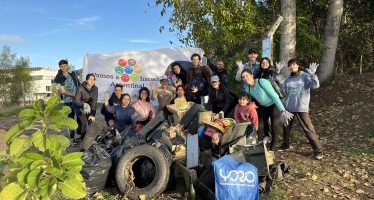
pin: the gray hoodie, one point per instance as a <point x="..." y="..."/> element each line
<point x="297" y="90"/>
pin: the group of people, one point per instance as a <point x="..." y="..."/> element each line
<point x="259" y="102"/>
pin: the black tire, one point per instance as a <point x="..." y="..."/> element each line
<point x="130" y="159"/>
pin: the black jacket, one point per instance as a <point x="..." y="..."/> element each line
<point x="60" y="78"/>
<point x="221" y="100"/>
<point x="222" y="75"/>
<point x="269" y="74"/>
<point x="84" y="95"/>
<point x="113" y="101"/>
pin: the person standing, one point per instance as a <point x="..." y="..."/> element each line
<point x="198" y="78"/>
<point x="164" y="94"/>
<point x="297" y="88"/>
<point x="267" y="98"/>
<point x="67" y="83"/>
<point x="252" y="65"/>
<point x="220" y="71"/>
<point x="85" y="104"/>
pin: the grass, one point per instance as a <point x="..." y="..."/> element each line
<point x="10" y="112"/>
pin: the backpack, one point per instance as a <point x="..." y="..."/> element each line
<point x="276" y="88"/>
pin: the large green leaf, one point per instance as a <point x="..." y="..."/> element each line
<point x="21" y="176"/>
<point x="38" y="140"/>
<point x="18" y="146"/>
<point x="53" y="171"/>
<point x="23" y="195"/>
<point x="34" y="156"/>
<point x="52" y="103"/>
<point x="57" y="141"/>
<point x="23" y="161"/>
<point x="37" y="163"/>
<point x="68" y="123"/>
<point x="39" y="106"/>
<point x="33" y="178"/>
<point x="73" y="188"/>
<point x="26" y="124"/>
<point x="12" y="133"/>
<point x="72" y="160"/>
<point x="11" y="191"/>
<point x="73" y="173"/>
<point x="27" y="114"/>
<point x="65" y="110"/>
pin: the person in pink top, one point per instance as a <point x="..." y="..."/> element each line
<point x="144" y="108"/>
<point x="245" y="111"/>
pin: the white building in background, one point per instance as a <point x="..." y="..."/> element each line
<point x="42" y="82"/>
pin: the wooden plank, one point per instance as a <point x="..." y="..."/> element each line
<point x="192" y="151"/>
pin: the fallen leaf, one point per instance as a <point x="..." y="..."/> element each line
<point x="360" y="191"/>
<point x="314" y="177"/>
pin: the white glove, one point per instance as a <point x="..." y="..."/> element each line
<point x="286" y="117"/>
<point x="279" y="66"/>
<point x="312" y="68"/>
<point x="86" y="108"/>
<point x="106" y="98"/>
<point x="239" y="64"/>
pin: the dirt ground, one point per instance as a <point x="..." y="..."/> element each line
<point x="342" y="112"/>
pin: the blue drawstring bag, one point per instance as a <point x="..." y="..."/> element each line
<point x="235" y="180"/>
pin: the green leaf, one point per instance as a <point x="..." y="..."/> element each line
<point x="26" y="124"/>
<point x="37" y="163"/>
<point x="55" y="142"/>
<point x="72" y="160"/>
<point x="56" y="163"/>
<point x="52" y="103"/>
<point x="11" y="191"/>
<point x="73" y="173"/>
<point x="23" y="195"/>
<point x="53" y="171"/>
<point x="12" y="133"/>
<point x="21" y="176"/>
<point x="54" y="127"/>
<point x="18" y="146"/>
<point x="38" y="140"/>
<point x="27" y="114"/>
<point x="33" y="178"/>
<point x="39" y="105"/>
<point x="65" y="110"/>
<point x="34" y="156"/>
<point x="72" y="188"/>
<point x="23" y="161"/>
<point x="68" y="123"/>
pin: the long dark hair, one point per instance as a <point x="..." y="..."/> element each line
<point x="148" y="93"/>
<point x="183" y="71"/>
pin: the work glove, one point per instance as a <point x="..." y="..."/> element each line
<point x="239" y="64"/>
<point x="312" y="68"/>
<point x="285" y="117"/>
<point x="106" y="98"/>
<point x="86" y="108"/>
<point x="279" y="66"/>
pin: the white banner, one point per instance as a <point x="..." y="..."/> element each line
<point x="132" y="69"/>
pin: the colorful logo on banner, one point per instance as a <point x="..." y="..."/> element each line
<point x="128" y="70"/>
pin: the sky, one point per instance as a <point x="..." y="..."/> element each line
<point x="47" y="31"/>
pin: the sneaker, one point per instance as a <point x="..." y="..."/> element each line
<point x="284" y="148"/>
<point x="318" y="155"/>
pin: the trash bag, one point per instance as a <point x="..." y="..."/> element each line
<point x="95" y="170"/>
<point x="129" y="140"/>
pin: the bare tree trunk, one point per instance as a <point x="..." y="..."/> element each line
<point x="330" y="38"/>
<point x="288" y="35"/>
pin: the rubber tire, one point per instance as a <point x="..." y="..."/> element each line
<point x="160" y="181"/>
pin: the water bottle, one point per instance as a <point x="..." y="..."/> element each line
<point x="191" y="193"/>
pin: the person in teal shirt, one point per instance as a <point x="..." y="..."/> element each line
<point x="268" y="100"/>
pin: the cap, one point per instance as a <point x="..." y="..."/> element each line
<point x="214" y="78"/>
<point x="163" y="77"/>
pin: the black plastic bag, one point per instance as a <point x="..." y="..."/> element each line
<point x="96" y="168"/>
